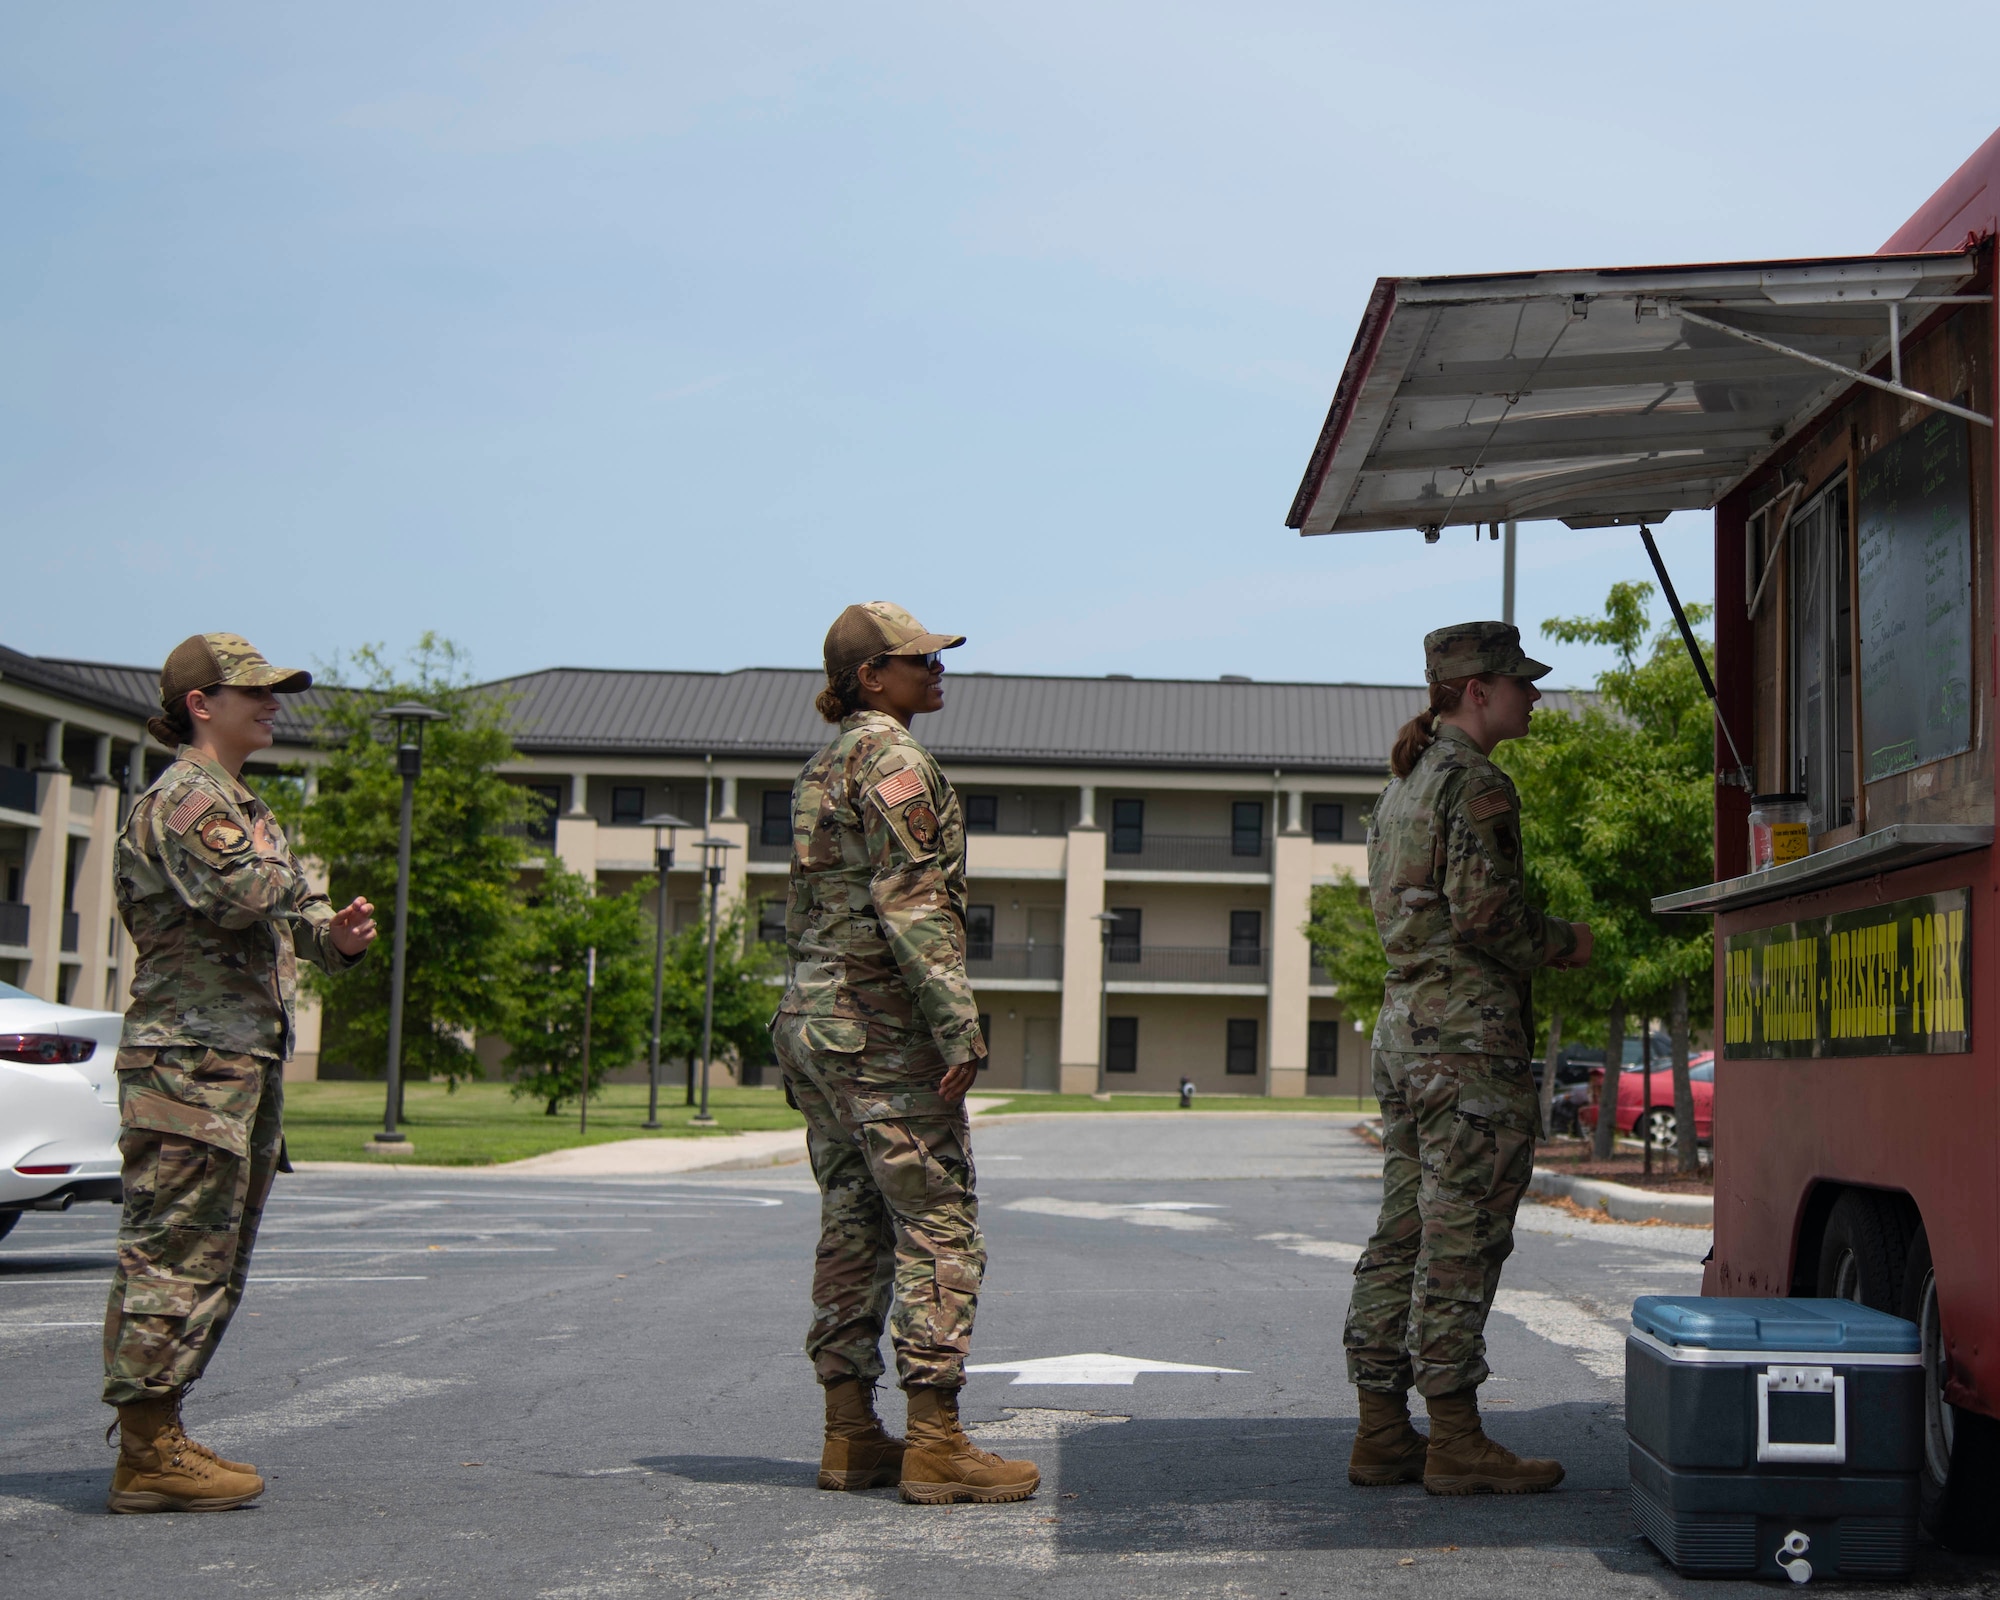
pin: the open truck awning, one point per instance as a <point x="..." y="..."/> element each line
<point x="1602" y="397"/>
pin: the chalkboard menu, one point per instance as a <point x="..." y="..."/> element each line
<point x="1914" y="524"/>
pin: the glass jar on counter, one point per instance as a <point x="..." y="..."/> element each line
<point x="1777" y="829"/>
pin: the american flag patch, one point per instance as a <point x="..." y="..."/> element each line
<point x="188" y="810"/>
<point x="1493" y="803"/>
<point x="903" y="786"/>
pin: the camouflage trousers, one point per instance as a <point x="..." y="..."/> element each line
<point x="899" y="1238"/>
<point x="1458" y="1148"/>
<point x="202" y="1137"/>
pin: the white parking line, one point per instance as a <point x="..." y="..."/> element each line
<point x="1304" y="1244"/>
<point x="408" y="1250"/>
<point x="335" y="1403"/>
<point x="1155" y="1214"/>
<point x="1594" y="1342"/>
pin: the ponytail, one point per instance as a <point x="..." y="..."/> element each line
<point x="173" y="727"/>
<point x="1420" y="732"/>
<point x="841" y="697"/>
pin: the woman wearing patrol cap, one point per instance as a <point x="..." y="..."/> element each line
<point x="219" y="911"/>
<point x="878" y="1036"/>
<point x="1451" y="1070"/>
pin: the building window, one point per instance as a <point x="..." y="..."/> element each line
<point x="979" y="933"/>
<point x="771" y="922"/>
<point x="1246" y="938"/>
<point x="1128" y="827"/>
<point x="1124" y="943"/>
<point x="985" y="1058"/>
<point x="1242" y="1057"/>
<point x="777" y="824"/>
<point x="542" y="821"/>
<point x="1327" y="820"/>
<point x="1246" y="828"/>
<point x="1121" y="1044"/>
<point x="1322" y="1049"/>
<point x="628" y="805"/>
<point x="982" y="813"/>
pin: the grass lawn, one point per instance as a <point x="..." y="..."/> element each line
<point x="483" y="1123"/>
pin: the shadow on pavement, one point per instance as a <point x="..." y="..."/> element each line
<point x="80" y="1493"/>
<point x="736" y="1469"/>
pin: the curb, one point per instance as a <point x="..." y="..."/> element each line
<point x="1624" y="1203"/>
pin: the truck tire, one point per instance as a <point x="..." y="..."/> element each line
<point x="1960" y="1474"/>
<point x="1866" y="1247"/>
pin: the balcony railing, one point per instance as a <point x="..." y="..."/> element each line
<point x="1163" y="963"/>
<point x="72" y="932"/>
<point x="17" y="789"/>
<point x="1013" y="960"/>
<point x="760" y="851"/>
<point x="13" y="922"/>
<point x="1192" y="852"/>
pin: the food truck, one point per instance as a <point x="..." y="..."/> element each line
<point x="1838" y="417"/>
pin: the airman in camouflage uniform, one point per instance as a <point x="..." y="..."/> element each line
<point x="878" y="1035"/>
<point x="219" y="911"/>
<point x="1451" y="1073"/>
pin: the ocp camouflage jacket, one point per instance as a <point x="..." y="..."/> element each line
<point x="1444" y="874"/>
<point x="875" y="922"/>
<point x="217" y="928"/>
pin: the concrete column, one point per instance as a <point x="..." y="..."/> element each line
<point x="42" y="879"/>
<point x="52" y="743"/>
<point x="726" y="809"/>
<point x="1083" y="957"/>
<point x="1291" y="963"/>
<point x="1087" y="806"/>
<point x="1295" y="811"/>
<point x="579" y="794"/>
<point x="306" y="1015"/>
<point x="96" y="899"/>
<point x="576" y="844"/>
<point x="100" y="764"/>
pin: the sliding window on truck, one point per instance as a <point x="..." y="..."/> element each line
<point x="1863" y="565"/>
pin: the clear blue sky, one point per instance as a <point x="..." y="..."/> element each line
<point x="649" y="335"/>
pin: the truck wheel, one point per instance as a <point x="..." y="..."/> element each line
<point x="1960" y="1473"/>
<point x="1864" y="1251"/>
<point x="7" y="1221"/>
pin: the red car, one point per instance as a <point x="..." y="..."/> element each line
<point x="1632" y="1110"/>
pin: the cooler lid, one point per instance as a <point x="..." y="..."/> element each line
<point x="1715" y="1322"/>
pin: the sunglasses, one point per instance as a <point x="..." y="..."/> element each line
<point x="929" y="663"/>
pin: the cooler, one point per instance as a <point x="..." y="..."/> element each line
<point x="1774" y="1437"/>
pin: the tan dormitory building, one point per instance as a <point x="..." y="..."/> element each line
<point x="1197" y="814"/>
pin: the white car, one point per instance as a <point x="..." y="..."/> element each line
<point x="58" y="1105"/>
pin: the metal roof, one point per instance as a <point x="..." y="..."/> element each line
<point x="1041" y="721"/>
<point x="1613" y="394"/>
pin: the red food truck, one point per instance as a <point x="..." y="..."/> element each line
<point x="1838" y="416"/>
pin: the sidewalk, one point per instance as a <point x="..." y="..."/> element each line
<point x="1624" y="1203"/>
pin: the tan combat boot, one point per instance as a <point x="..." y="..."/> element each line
<point x="859" y="1452"/>
<point x="941" y="1465"/>
<point x="1463" y="1460"/>
<point x="160" y="1469"/>
<point x="1387" y="1450"/>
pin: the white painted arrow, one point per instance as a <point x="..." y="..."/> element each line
<point x="1095" y="1367"/>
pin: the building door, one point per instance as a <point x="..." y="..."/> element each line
<point x="1040" y="1068"/>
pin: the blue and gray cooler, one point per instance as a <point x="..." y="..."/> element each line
<point x="1779" y="1438"/>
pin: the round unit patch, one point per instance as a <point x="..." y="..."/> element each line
<point x="922" y="823"/>
<point x="223" y="835"/>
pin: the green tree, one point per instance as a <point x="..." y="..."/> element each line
<point x="564" y="919"/>
<point x="745" y="991"/>
<point x="1347" y="946"/>
<point x="463" y="859"/>
<point x="1617" y="807"/>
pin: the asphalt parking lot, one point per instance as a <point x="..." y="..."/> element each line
<point x="491" y="1387"/>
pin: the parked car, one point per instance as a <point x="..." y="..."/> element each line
<point x="58" y="1106"/>
<point x="1662" y="1124"/>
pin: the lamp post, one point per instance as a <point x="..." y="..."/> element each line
<point x="712" y="850"/>
<point x="661" y="822"/>
<point x="1106" y="921"/>
<point x="409" y="716"/>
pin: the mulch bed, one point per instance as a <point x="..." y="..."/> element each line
<point x="1572" y="1157"/>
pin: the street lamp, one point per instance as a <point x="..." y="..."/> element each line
<point x="661" y="822"/>
<point x="712" y="850"/>
<point x="1106" y="921"/>
<point x="409" y="717"/>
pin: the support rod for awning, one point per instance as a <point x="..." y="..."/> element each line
<point x="1694" y="653"/>
<point x="1832" y="366"/>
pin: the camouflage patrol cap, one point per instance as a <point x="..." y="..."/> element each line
<point x="1468" y="649"/>
<point x="863" y="632"/>
<point x="224" y="660"/>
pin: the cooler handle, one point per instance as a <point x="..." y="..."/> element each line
<point x="1801" y="1380"/>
